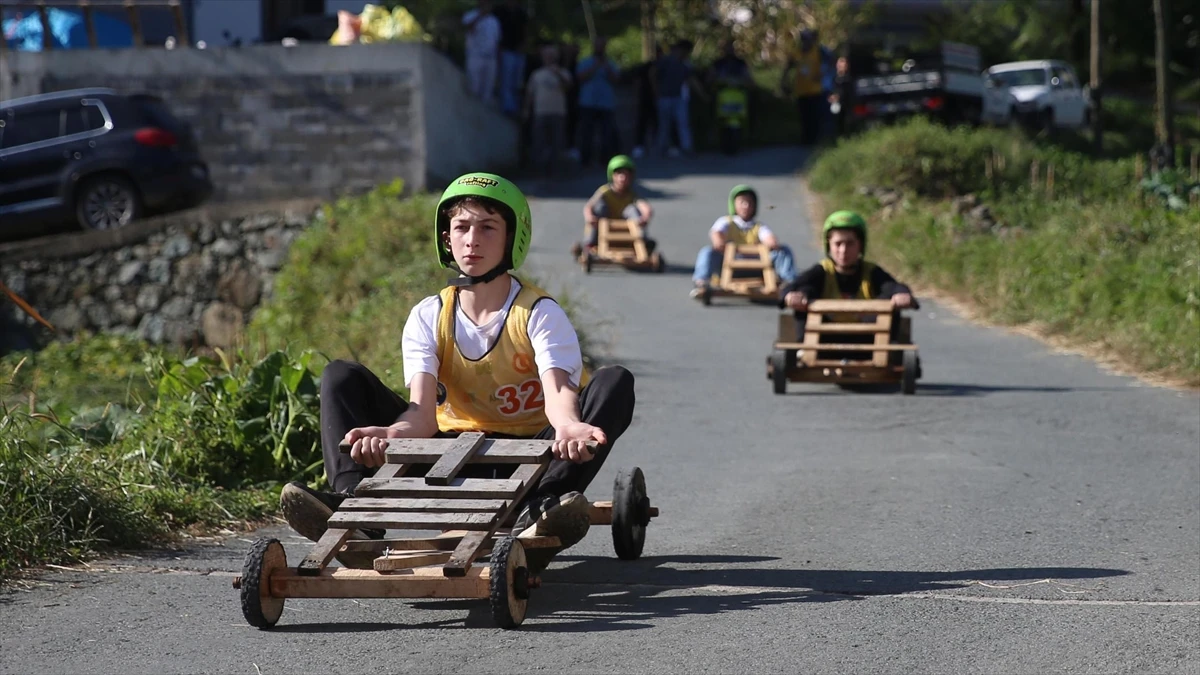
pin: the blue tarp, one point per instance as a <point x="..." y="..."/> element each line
<point x="68" y="30"/>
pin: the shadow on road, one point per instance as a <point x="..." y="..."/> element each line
<point x="591" y="594"/>
<point x="945" y="390"/>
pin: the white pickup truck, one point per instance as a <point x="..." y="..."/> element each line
<point x="1038" y="94"/>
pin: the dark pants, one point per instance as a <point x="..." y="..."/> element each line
<point x="593" y="122"/>
<point x="810" y="118"/>
<point x="352" y="396"/>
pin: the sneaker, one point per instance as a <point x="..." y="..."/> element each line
<point x="307" y="511"/>
<point x="567" y="517"/>
<point x="698" y="292"/>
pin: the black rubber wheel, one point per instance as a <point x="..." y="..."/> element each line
<point x="587" y="264"/>
<point x="706" y="297"/>
<point x="260" y="609"/>
<point x="908" y="381"/>
<point x="630" y="513"/>
<point x="658" y="263"/>
<point x="106" y="202"/>
<point x="779" y="370"/>
<point x="509" y="583"/>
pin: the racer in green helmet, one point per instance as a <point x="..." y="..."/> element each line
<point x="617" y="199"/>
<point x="494" y="354"/>
<point x="844" y="273"/>
<point x="740" y="227"/>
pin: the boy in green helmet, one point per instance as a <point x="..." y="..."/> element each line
<point x="844" y="273"/>
<point x="741" y="226"/>
<point x="490" y="353"/>
<point x="617" y="199"/>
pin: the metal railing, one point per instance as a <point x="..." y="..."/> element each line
<point x="87" y="7"/>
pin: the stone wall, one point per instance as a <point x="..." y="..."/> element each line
<point x="312" y="120"/>
<point x="195" y="283"/>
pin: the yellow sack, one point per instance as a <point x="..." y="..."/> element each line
<point x="377" y="24"/>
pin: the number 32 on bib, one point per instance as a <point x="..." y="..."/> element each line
<point x="523" y="397"/>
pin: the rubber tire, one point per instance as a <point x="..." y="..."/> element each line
<point x="706" y="297"/>
<point x="508" y="551"/>
<point x="90" y="183"/>
<point x="779" y="371"/>
<point x="587" y="264"/>
<point x="908" y="380"/>
<point x="630" y="513"/>
<point x="265" y="556"/>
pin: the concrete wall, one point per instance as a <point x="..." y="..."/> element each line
<point x="312" y="120"/>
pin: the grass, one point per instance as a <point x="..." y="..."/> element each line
<point x="108" y="442"/>
<point x="1099" y="261"/>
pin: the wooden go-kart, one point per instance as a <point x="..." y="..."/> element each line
<point x="473" y="517"/>
<point x="619" y="242"/>
<point x="746" y="272"/>
<point x="845" y="342"/>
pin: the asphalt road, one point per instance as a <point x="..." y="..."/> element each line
<point x="1024" y="512"/>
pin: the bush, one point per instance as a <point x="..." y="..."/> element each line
<point x="1096" y="261"/>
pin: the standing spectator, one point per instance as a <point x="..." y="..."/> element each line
<point x="597" y="100"/>
<point x="569" y="56"/>
<point x="482" y="49"/>
<point x="730" y="68"/>
<point x="672" y="75"/>
<point x="842" y="97"/>
<point x="546" y="103"/>
<point x="514" y="32"/>
<point x="808" y="62"/>
<point x="647" y="110"/>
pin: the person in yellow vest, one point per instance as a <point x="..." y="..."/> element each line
<point x="740" y="226"/>
<point x="807" y="76"/>
<point x="491" y="353"/>
<point x="618" y="198"/>
<point x="844" y="273"/>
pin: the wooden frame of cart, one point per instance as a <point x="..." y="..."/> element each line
<point x="471" y="518"/>
<point x="811" y="361"/>
<point x="762" y="286"/>
<point x="619" y="242"/>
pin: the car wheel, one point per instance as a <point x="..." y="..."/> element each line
<point x="107" y="202"/>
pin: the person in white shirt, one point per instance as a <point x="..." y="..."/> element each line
<point x="482" y="49"/>
<point x="741" y="226"/>
<point x="489" y="353"/>
<point x="546" y="103"/>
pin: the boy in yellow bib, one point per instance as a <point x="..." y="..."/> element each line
<point x="617" y="199"/>
<point x="741" y="226"/>
<point x="844" y="273"/>
<point x="490" y="353"/>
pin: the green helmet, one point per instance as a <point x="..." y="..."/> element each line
<point x="503" y="192"/>
<point x="620" y="162"/>
<point x="739" y="190"/>
<point x="845" y="220"/>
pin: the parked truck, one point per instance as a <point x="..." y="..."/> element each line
<point x="943" y="84"/>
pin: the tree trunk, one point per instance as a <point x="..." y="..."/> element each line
<point x="648" y="33"/>
<point x="1165" y="128"/>
<point x="1094" y="83"/>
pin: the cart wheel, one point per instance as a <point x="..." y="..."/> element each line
<point x="260" y="609"/>
<point x="587" y="263"/>
<point x="630" y="514"/>
<point x="908" y="381"/>
<point x="706" y="297"/>
<point x="509" y="583"/>
<point x="656" y="260"/>
<point x="779" y="370"/>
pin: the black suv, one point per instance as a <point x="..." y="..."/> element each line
<point x="94" y="157"/>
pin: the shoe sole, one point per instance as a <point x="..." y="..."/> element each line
<point x="569" y="522"/>
<point x="309" y="518"/>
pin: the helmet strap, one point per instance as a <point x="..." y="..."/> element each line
<point x="463" y="280"/>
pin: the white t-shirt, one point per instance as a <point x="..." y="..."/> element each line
<point x="547" y="90"/>
<point x="483" y="39"/>
<point x="555" y="344"/>
<point x="722" y="224"/>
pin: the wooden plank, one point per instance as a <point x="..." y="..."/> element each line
<point x="454" y="458"/>
<point x="466" y="488"/>
<point x="394" y="562"/>
<point x="423" y="505"/>
<point x="446" y="541"/>
<point x="850" y="306"/>
<point x="832" y="347"/>
<point x="856" y="328"/>
<point x="389" y="520"/>
<point x="324" y="551"/>
<point x="469" y="548"/>
<point x="422" y="582"/>
<point x="494" y="451"/>
<point x="601" y="514"/>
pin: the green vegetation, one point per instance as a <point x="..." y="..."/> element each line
<point x="109" y="442"/>
<point x="1099" y="258"/>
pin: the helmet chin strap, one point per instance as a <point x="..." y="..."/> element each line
<point x="464" y="280"/>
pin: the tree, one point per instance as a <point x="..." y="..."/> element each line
<point x="1165" y="128"/>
